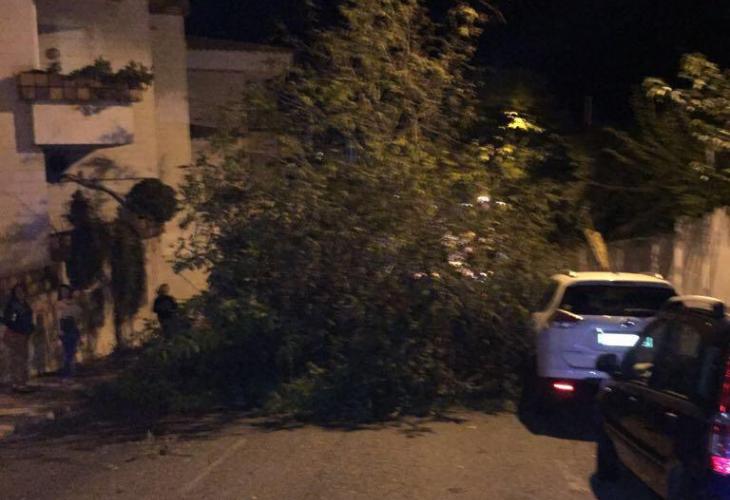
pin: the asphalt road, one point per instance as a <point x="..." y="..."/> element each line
<point x="464" y="455"/>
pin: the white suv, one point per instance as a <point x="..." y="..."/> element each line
<point x="584" y="315"/>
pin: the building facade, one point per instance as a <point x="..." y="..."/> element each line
<point x="51" y="126"/>
<point x="59" y="131"/>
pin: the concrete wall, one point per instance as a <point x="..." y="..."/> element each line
<point x="24" y="226"/>
<point x="173" y="138"/>
<point x="218" y="78"/>
<point x="702" y="254"/>
<point x="694" y="258"/>
<point x="74" y="125"/>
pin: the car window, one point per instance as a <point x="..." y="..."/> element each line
<point x="615" y="299"/>
<point x="638" y="363"/>
<point x="547" y="296"/>
<point x="685" y="365"/>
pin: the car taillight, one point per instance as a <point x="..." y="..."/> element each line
<point x="565" y="319"/>
<point x="720" y="439"/>
<point x="564" y="387"/>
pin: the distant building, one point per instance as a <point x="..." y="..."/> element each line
<point x="219" y="71"/>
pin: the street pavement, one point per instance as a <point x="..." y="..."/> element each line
<point x="52" y="397"/>
<point x="463" y="455"/>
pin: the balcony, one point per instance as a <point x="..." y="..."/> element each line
<point x="76" y="111"/>
<point x="82" y="125"/>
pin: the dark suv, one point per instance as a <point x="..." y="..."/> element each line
<point x="665" y="414"/>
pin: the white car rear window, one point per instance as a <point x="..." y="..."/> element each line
<point x="615" y="299"/>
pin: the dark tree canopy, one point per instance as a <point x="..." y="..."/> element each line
<point x="369" y="264"/>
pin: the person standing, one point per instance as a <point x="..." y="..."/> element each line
<point x="69" y="319"/>
<point x="18" y="318"/>
<point x="165" y="307"/>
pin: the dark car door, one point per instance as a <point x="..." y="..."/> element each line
<point x="627" y="405"/>
<point x="681" y="395"/>
<point x="675" y="404"/>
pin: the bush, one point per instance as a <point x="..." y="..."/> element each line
<point x="153" y="199"/>
<point x="356" y="275"/>
<point x="85" y="261"/>
<point x="422" y="344"/>
<point x="128" y="273"/>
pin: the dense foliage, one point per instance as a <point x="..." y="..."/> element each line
<point x="135" y="75"/>
<point x="705" y="100"/>
<point x="153" y="199"/>
<point x="368" y="264"/>
<point x="541" y="168"/>
<point x="128" y="272"/>
<point x="674" y="163"/>
<point x="150" y="199"/>
<point x="119" y="244"/>
<point x="86" y="257"/>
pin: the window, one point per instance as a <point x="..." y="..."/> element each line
<point x="59" y="161"/>
<point x="56" y="165"/>
<point x="682" y="364"/>
<point x="615" y="299"/>
<point x="638" y="363"/>
<point x="547" y="296"/>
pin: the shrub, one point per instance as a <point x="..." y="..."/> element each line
<point x="129" y="276"/>
<point x="153" y="199"/>
<point x="88" y="243"/>
<point x="354" y="276"/>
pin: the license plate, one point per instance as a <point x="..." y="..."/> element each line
<point x="617" y="339"/>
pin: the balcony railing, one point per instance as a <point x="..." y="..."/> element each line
<point x="44" y="86"/>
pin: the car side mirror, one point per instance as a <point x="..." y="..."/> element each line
<point x="608" y="363"/>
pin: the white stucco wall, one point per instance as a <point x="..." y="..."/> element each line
<point x="71" y="124"/>
<point x="173" y="138"/>
<point x="24" y="225"/>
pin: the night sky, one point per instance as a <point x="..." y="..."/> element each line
<point x="602" y="48"/>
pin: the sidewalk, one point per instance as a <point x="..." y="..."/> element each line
<point x="51" y="398"/>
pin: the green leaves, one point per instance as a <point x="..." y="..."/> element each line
<point x="674" y="164"/>
<point x="328" y="267"/>
<point x="153" y="199"/>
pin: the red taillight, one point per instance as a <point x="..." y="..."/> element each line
<point x="563" y="386"/>
<point x="565" y="319"/>
<point x="720" y="445"/>
<point x="720" y="439"/>
<point x="721" y="465"/>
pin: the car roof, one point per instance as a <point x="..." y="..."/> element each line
<point x="598" y="277"/>
<point x="696" y="305"/>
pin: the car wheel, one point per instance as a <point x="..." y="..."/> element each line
<point x="607" y="461"/>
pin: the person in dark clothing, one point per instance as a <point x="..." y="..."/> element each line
<point x="165" y="307"/>
<point x="69" y="319"/>
<point x="18" y="318"/>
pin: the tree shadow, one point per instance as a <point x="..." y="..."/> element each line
<point x="572" y="419"/>
<point x="86" y="431"/>
<point x="410" y="426"/>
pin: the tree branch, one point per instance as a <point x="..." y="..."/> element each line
<point x="610" y="187"/>
<point x="94" y="185"/>
<point x="495" y="11"/>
